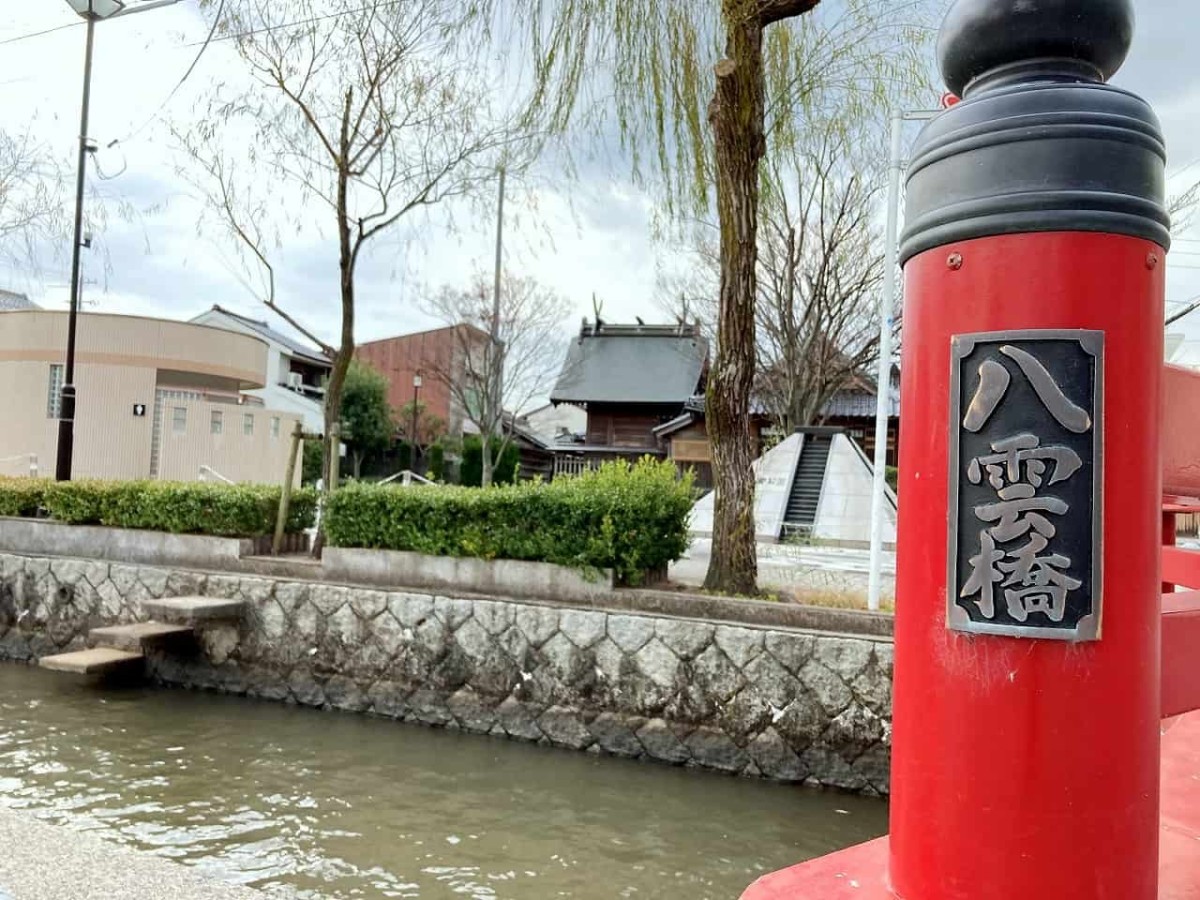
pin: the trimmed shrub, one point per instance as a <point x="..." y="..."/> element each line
<point x="504" y="469"/>
<point x="22" y="496"/>
<point x="241" y="511"/>
<point x="631" y="518"/>
<point x="312" y="459"/>
<point x="437" y="462"/>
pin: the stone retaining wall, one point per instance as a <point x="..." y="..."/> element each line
<point x="784" y="704"/>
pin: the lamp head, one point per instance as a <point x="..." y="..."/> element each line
<point x="97" y="9"/>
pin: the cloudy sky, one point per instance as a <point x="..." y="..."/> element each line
<point x="583" y="237"/>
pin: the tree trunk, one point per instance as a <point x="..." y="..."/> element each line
<point x="485" y="479"/>
<point x="345" y="352"/>
<point x="736" y="114"/>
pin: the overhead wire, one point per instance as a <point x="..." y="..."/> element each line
<point x="308" y="21"/>
<point x="204" y="45"/>
<point x="33" y="34"/>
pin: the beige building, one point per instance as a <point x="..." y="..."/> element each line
<point x="156" y="399"/>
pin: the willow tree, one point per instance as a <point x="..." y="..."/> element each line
<point x="701" y="91"/>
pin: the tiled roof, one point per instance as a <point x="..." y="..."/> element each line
<point x="632" y="364"/>
<point x="266" y="331"/>
<point x="859" y="404"/>
<point x="13" y="301"/>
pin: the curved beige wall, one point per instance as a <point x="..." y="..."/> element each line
<point x="121" y="362"/>
<point x="133" y="341"/>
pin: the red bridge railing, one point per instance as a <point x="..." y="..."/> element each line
<point x="1180" y="566"/>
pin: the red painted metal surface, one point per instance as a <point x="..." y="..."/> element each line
<point x="1169" y="537"/>
<point x="1181" y="413"/>
<point x="859" y="873"/>
<point x="1179" y="877"/>
<point x="1181" y="653"/>
<point x="1010" y="756"/>
<point x="1180" y="566"/>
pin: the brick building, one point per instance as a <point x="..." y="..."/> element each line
<point x="426" y="353"/>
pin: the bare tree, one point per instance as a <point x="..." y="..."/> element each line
<point x="820" y="270"/>
<point x="493" y="381"/>
<point x="32" y="197"/>
<point x="363" y="111"/>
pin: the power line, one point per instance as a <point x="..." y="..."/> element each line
<point x="1185" y="168"/>
<point x="25" y="37"/>
<point x="1192" y="306"/>
<point x="309" y="21"/>
<point x="190" y="69"/>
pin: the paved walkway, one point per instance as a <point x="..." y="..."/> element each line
<point x="796" y="567"/>
<point x="40" y="861"/>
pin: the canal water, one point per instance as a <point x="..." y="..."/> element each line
<point x="344" y="806"/>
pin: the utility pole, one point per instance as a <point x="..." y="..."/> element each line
<point x="495" y="351"/>
<point x="499" y="259"/>
<point x="497" y="355"/>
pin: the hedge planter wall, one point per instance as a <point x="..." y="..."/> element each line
<point x="221" y="510"/>
<point x="631" y="518"/>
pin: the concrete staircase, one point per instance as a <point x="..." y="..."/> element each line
<point x="801" y="513"/>
<point x="121" y="649"/>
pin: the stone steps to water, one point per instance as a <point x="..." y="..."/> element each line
<point x="140" y="636"/>
<point x="122" y="648"/>
<point x="193" y="611"/>
<point x="97" y="661"/>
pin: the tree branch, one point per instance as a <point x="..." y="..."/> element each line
<point x="770" y="11"/>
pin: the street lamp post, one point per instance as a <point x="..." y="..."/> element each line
<point x="92" y="12"/>
<point x="412" y="462"/>
<point x="887" y="307"/>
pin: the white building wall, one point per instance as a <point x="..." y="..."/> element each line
<point x="844" y="511"/>
<point x="274" y="395"/>
<point x="259" y="457"/>
<point x="773" y="474"/>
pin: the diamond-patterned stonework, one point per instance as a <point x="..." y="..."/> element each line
<point x="786" y="705"/>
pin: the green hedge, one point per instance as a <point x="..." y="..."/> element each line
<point x="22" y="496"/>
<point x="504" y="465"/>
<point x="630" y="518"/>
<point x="184" y="508"/>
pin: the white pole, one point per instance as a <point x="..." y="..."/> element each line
<point x="887" y="306"/>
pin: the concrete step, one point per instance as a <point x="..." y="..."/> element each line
<point x="97" y="661"/>
<point x="193" y="610"/>
<point x="138" y="637"/>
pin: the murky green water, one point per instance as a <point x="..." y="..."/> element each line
<point x="345" y="806"/>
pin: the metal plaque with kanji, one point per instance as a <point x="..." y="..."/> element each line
<point x="1025" y="484"/>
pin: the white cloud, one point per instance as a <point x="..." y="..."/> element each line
<point x="582" y="237"/>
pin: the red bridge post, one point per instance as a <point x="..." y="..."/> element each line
<point x="1025" y="762"/>
<point x="1026" y="715"/>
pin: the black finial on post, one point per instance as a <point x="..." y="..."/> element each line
<point x="1040" y="142"/>
<point x="1082" y="39"/>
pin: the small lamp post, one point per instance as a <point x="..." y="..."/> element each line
<point x="412" y="463"/>
<point x="92" y="11"/>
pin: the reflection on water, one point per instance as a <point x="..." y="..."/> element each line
<point x="344" y="806"/>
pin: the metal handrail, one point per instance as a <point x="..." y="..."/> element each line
<point x="21" y="457"/>
<point x="407" y="477"/>
<point x="209" y="470"/>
